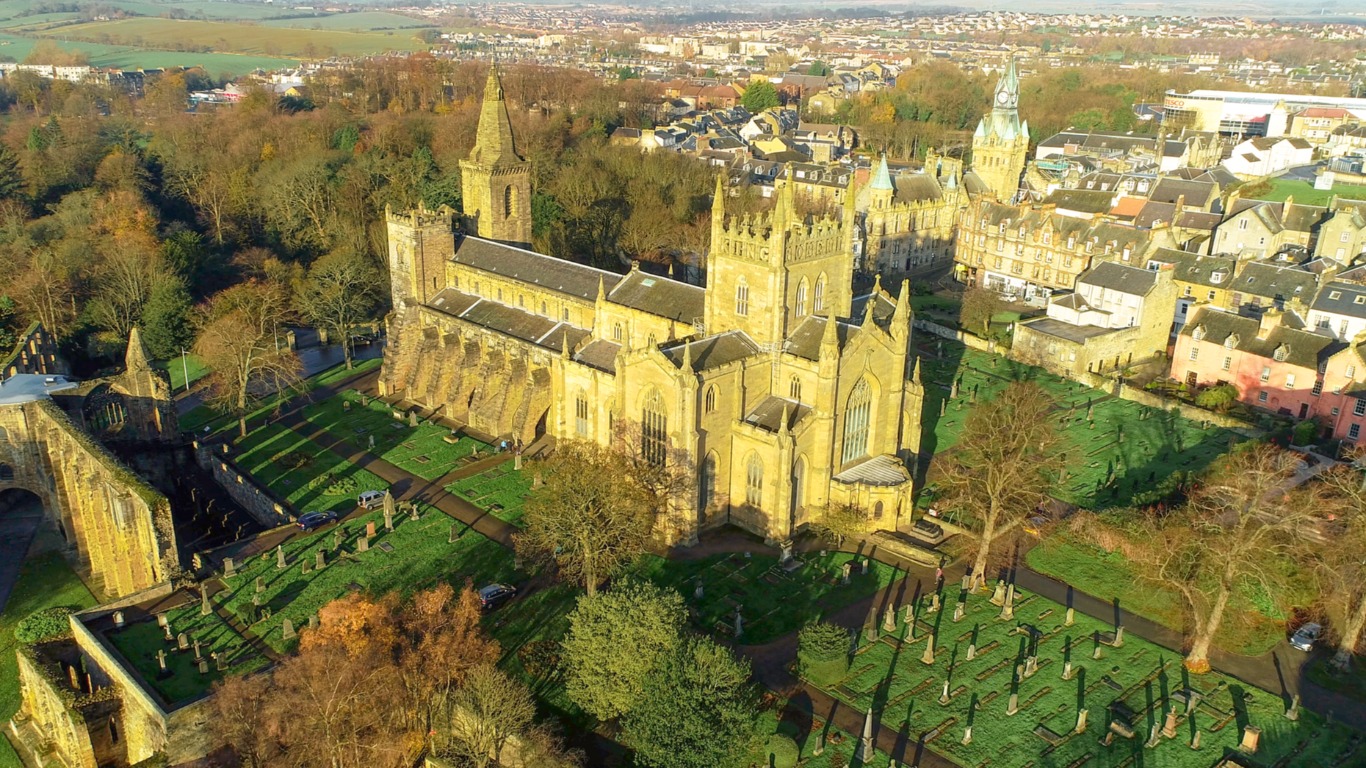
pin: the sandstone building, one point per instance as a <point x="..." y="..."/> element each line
<point x="1000" y="144"/>
<point x="774" y="385"/>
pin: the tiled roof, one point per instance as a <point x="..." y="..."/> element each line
<point x="805" y="339"/>
<point x="660" y="296"/>
<point x="1342" y="299"/>
<point x="714" y="351"/>
<point x="530" y="267"/>
<point x="1121" y="278"/>
<point x="768" y="414"/>
<point x="1198" y="269"/>
<point x="1299" y="347"/>
<point x="511" y="321"/>
<point x="1276" y="282"/>
<point x="599" y="354"/>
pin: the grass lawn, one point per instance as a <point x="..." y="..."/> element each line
<point x="177" y="370"/>
<point x="202" y="416"/>
<point x="772" y="603"/>
<point x="46" y="581"/>
<point x="363" y="21"/>
<point x="302" y="472"/>
<point x="1305" y="194"/>
<point x="1108" y="575"/>
<point x="839" y="747"/>
<point x="501" y="491"/>
<point x="129" y="56"/>
<point x="1113" y="448"/>
<point x="233" y="37"/>
<point x="530" y="630"/>
<point x="1137" y="683"/>
<point x="422" y="450"/>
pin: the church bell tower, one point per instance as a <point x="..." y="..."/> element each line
<point x="1001" y="141"/>
<point x="495" y="181"/>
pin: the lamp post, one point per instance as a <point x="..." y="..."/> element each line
<point x="185" y="369"/>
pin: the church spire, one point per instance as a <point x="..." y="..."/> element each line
<point x="493" y="144"/>
<point x="882" y="178"/>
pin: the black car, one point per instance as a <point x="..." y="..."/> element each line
<point x="310" y="520"/>
<point x="494" y="595"/>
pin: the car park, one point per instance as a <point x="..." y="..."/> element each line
<point x="312" y="520"/>
<point x="494" y="595"/>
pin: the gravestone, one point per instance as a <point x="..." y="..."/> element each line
<point x="866" y="566"/>
<point x="1119" y="637"/>
<point x="889" y="619"/>
<point x="819" y="749"/>
<point x="1031" y="666"/>
<point x="537" y="481"/>
<point x="370" y="529"/>
<point x="1293" y="713"/>
<point x="1154" y="737"/>
<point x="934" y="603"/>
<point x="944" y="696"/>
<point x="844" y="577"/>
<point x="928" y="657"/>
<point x="412" y="418"/>
<point x="967" y="735"/>
<point x="118" y="620"/>
<point x="1081" y="721"/>
<point x="161" y="661"/>
<point x="204" y="608"/>
<point x="197" y="559"/>
<point x="958" y="613"/>
<point x="182" y="641"/>
<point x="870" y="629"/>
<point x="739" y="623"/>
<point x="908" y="615"/>
<point x="697" y="590"/>
<point x="1252" y="735"/>
<point x="1071" y="615"/>
<point x="280" y="563"/>
<point x="220" y="661"/>
<point x="313" y="622"/>
<point x="455" y="534"/>
<point x="336" y="538"/>
<point x="389" y="508"/>
<point x="363" y="544"/>
<point x="197" y="653"/>
<point x="787" y="551"/>
<point x="287" y="630"/>
<point x="304" y="570"/>
<point x="1195" y="741"/>
<point x="388" y="520"/>
<point x="1067" y="670"/>
<point x="203" y="666"/>
<point x="346" y="406"/>
<point x="972" y="651"/>
<point x="1013" y="705"/>
<point x="162" y="621"/>
<point x="372" y="442"/>
<point x="260" y="584"/>
<point x="320" y="559"/>
<point x="1169" y="727"/>
<point x="998" y="597"/>
<point x="865" y="746"/>
<point x="965" y="583"/>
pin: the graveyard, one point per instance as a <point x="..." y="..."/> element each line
<point x="772" y="600"/>
<point x="1013" y="679"/>
<point x="1113" y="448"/>
<point x="307" y="475"/>
<point x="500" y="490"/>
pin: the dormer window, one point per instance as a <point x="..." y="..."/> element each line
<point x="1231" y="342"/>
<point x="1334" y="295"/>
<point x="1125" y="255"/>
<point x="1280" y="354"/>
<point x="1217" y="277"/>
<point x="1199" y="333"/>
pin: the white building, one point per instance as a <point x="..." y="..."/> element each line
<point x="1264" y="156"/>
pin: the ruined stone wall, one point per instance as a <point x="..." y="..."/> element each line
<point x="260" y="503"/>
<point x="36" y="352"/>
<point x="47" y="708"/>
<point x="117" y="525"/>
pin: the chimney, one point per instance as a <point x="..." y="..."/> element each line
<point x="1270" y="319"/>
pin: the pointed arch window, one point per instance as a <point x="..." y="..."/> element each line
<point x="509" y="201"/>
<point x="706" y="485"/>
<point x="581" y="414"/>
<point x="856" y="422"/>
<point x="654" y="434"/>
<point x="818" y="299"/>
<point x="742" y="299"/>
<point x="795" y="389"/>
<point x="754" y="481"/>
<point x="801" y="298"/>
<point x="709" y="401"/>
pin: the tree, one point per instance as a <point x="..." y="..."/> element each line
<point x="342" y="288"/>
<point x="615" y="640"/>
<point x="818" y="69"/>
<point x="823" y="652"/>
<point x="592" y="515"/>
<point x="759" y="95"/>
<point x="165" y="323"/>
<point x="1342" y="566"/>
<point x="837" y="522"/>
<point x="1000" y="475"/>
<point x="1236" y="531"/>
<point x="11" y="175"/>
<point x="440" y="641"/>
<point x="698" y="711"/>
<point x="9" y="324"/>
<point x="240" y="345"/>
<point x="240" y="721"/>
<point x="488" y="710"/>
<point x="1218" y="398"/>
<point x="979" y="306"/>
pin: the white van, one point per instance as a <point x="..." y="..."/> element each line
<point x="370" y="499"/>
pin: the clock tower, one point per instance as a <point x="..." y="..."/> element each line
<point x="1001" y="141"/>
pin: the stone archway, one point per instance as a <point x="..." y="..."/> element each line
<point x="22" y="517"/>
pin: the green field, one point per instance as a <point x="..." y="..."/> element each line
<point x="230" y="37"/>
<point x="128" y="57"/>
<point x="1305" y="193"/>
<point x="176" y="369"/>
<point x="363" y="21"/>
<point x="199" y="417"/>
<point x="45" y="582"/>
<point x="501" y="491"/>
<point x="1137" y="684"/>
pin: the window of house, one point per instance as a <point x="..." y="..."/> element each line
<point x="754" y="482"/>
<point x="1188" y="290"/>
<point x="742" y="299"/>
<point x="581" y="415"/>
<point x="1359" y="407"/>
<point x="1266" y="374"/>
<point x="1195" y="353"/>
<point x="1261" y="397"/>
<point x="1289" y="380"/>
<point x="1211" y="295"/>
<point x="1242" y="224"/>
<point x="1351" y="372"/>
<point x="1336" y="410"/>
<point x="654" y="433"/>
<point x="1318" y="388"/>
<point x="856" y="416"/>
<point x="1354" y="432"/>
<point x="1228" y="363"/>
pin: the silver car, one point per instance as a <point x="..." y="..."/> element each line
<point x="1305" y="637"/>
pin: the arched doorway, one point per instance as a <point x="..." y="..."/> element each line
<point x="21" y="520"/>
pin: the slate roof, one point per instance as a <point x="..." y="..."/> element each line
<point x="530" y="267"/>
<point x="510" y="321"/>
<point x="883" y="307"/>
<point x="1276" y="282"/>
<point x="714" y="351"/>
<point x="768" y="414"/>
<point x="1121" y="277"/>
<point x="1342" y="299"/>
<point x="1196" y="193"/>
<point x="599" y="354"/>
<point x="875" y="470"/>
<point x="912" y="187"/>
<point x="1302" y="348"/>
<point x="1198" y="269"/>
<point x="1064" y="330"/>
<point x="660" y="296"/>
<point x="1082" y="200"/>
<point x="805" y="339"/>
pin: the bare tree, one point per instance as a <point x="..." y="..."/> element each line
<point x="342" y="289"/>
<point x="837" y="522"/>
<point x="485" y="713"/>
<point x="1004" y="465"/>
<point x="1342" y="566"/>
<point x="240" y="344"/>
<point x="1237" y="528"/>
<point x="979" y="306"/>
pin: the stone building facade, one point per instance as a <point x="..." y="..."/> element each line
<point x="1000" y="145"/>
<point x="774" y="385"/>
<point x="911" y="219"/>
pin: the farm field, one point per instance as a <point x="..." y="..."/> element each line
<point x="1130" y="686"/>
<point x="229" y="37"/>
<point x="362" y="21"/>
<point x="129" y="57"/>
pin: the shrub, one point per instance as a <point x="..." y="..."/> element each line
<point x="539" y="657"/>
<point x="44" y="624"/>
<point x="823" y="652"/>
<point x="781" y="752"/>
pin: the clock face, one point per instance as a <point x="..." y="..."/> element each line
<point x="1003" y="98"/>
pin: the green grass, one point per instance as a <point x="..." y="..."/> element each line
<point x="131" y="57"/>
<point x="888" y="674"/>
<point x="302" y="472"/>
<point x="837" y="745"/>
<point x="1113" y="448"/>
<point x="1248" y="630"/>
<point x="1304" y="192"/>
<point x="202" y="416"/>
<point x="360" y="21"/>
<point x="46" y="581"/>
<point x="421" y="450"/>
<point x="232" y="37"/>
<point x="772" y="603"/>
<point x="500" y="490"/>
<point x="176" y="369"/>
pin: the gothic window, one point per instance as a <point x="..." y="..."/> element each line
<point x="706" y="486"/>
<point x="856" y="422"/>
<point x="581" y="415"/>
<point x="818" y="300"/>
<point x="709" y="401"/>
<point x="654" y="436"/>
<point x="509" y="201"/>
<point x="795" y="389"/>
<point x="754" y="481"/>
<point x="742" y="299"/>
<point x="616" y="332"/>
<point x="543" y="309"/>
<point x="6" y="473"/>
<point x="801" y="298"/>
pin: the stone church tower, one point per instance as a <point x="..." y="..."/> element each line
<point x="1001" y="141"/>
<point x="495" y="182"/>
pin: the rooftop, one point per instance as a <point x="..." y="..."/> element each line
<point x="27" y="387"/>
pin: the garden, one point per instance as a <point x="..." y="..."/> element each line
<point x="1037" y="689"/>
<point x="1113" y="449"/>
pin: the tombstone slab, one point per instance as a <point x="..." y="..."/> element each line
<point x="280" y="563"/>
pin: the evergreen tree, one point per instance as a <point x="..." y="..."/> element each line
<point x="166" y="319"/>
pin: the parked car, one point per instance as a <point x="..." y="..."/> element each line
<point x="370" y="499"/>
<point x="362" y="339"/>
<point x="311" y="520"/>
<point x="1305" y="637"/>
<point x="494" y="595"/>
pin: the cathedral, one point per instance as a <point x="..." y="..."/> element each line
<point x="774" y="386"/>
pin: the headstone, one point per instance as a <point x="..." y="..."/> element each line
<point x="304" y="570"/>
<point x="412" y="418"/>
<point x="203" y="666"/>
<point x="972" y="651"/>
<point x="260" y="584"/>
<point x="967" y="735"/>
<point x="197" y="653"/>
<point x="313" y="622"/>
<point x="320" y="559"/>
<point x="389" y="507"/>
<point x="370" y="529"/>
<point x="1067" y="670"/>
<point x="944" y="696"/>
<point x="161" y="661"/>
<point x="998" y="597"/>
<point x="162" y="621"/>
<point x="336" y="538"/>
<point x="908" y="615"/>
<point x="363" y="544"/>
<point x="1081" y="720"/>
<point x="865" y="746"/>
<point x="537" y="481"/>
<point x="413" y="514"/>
<point x="1097" y="653"/>
<point x="1031" y="666"/>
<point x="934" y="603"/>
<point x="1119" y="637"/>
<point x="697" y="590"/>
<point x="959" y="611"/>
<point x="1294" y="712"/>
<point x="73" y="678"/>
<point x="280" y="563"/>
<point x="1071" y="616"/>
<point x="889" y="619"/>
<point x="346" y="406"/>
<point x="182" y="641"/>
<point x="455" y="534"/>
<point x="787" y="550"/>
<point x="965" y="583"/>
<point x="220" y="661"/>
<point x="517" y="461"/>
<point x="1154" y="737"/>
<point x="204" y="607"/>
<point x="372" y="442"/>
<point x="739" y="623"/>
<point x="928" y="656"/>
<point x="287" y="630"/>
<point x="844" y="578"/>
<point x="1195" y="740"/>
<point x="1013" y="705"/>
<point x="870" y="629"/>
<point x="118" y="620"/>
<point x="865" y="566"/>
<point x="197" y="559"/>
<point x="819" y="749"/>
<point x="1169" y="727"/>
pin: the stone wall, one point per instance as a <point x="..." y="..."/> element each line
<point x="261" y="504"/>
<point x="61" y="726"/>
<point x="116" y="525"/>
<point x="962" y="337"/>
<point x="1154" y="400"/>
